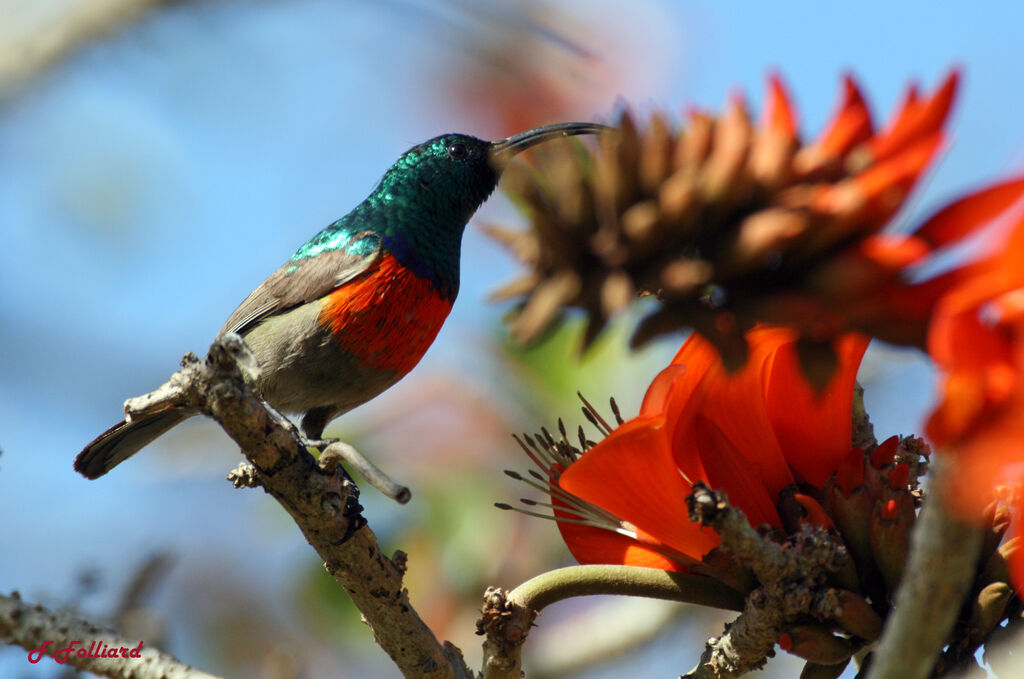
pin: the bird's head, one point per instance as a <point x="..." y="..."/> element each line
<point x="425" y="199"/>
<point x="451" y="175"/>
<point x="448" y="176"/>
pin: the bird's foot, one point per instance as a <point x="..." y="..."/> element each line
<point x="281" y="419"/>
<point x="319" y="444"/>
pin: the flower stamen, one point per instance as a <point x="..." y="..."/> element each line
<point x="594" y="417"/>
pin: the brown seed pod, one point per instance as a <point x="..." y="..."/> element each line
<point x="728" y="223"/>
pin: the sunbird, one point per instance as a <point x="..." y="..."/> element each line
<point x="357" y="306"/>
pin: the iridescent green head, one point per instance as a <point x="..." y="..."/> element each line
<point x="451" y="175"/>
<point x="447" y="177"/>
<point x="423" y="202"/>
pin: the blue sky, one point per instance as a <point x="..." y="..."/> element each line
<point x="151" y="180"/>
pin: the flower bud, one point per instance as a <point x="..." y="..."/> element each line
<point x="817" y="644"/>
<point x="857" y="617"/>
<point x="891" y="523"/>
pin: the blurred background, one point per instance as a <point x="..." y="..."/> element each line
<point x="159" y="159"/>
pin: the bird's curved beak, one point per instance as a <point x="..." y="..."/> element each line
<point x="502" y="150"/>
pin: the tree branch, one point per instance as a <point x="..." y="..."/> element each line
<point x="939" y="572"/>
<point x="792" y="586"/>
<point x="508" y="616"/>
<point x="321" y="500"/>
<point x="32" y="626"/>
<point x="27" y="52"/>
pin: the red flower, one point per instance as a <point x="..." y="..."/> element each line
<point x="976" y="337"/>
<point x="750" y="434"/>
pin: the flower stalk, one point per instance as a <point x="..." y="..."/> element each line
<point x="939" y="573"/>
<point x="508" y="616"/>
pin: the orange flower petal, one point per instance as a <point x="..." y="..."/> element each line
<point x="1010" y="306"/>
<point x="685" y="396"/>
<point x="987" y="281"/>
<point x="729" y="471"/>
<point x="632" y="475"/>
<point x="916" y="120"/>
<point x="813" y="429"/>
<point x="984" y="366"/>
<point x="816" y="514"/>
<point x="993" y="455"/>
<point x="735" y="403"/>
<point x="893" y="252"/>
<point x="877" y="192"/>
<point x="899" y="476"/>
<point x="977" y="338"/>
<point x="885" y="452"/>
<point x="597" y="545"/>
<point x="656" y="398"/>
<point x="886" y="183"/>
<point x="850" y="474"/>
<point x="697" y="354"/>
<point x="851" y="124"/>
<point x="778" y="117"/>
<point x="962" y="341"/>
<point x="963" y="216"/>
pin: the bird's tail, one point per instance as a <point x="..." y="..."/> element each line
<point x="124" y="439"/>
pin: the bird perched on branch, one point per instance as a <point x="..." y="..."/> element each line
<point x="357" y="305"/>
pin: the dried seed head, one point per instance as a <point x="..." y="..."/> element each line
<point x="772" y="224"/>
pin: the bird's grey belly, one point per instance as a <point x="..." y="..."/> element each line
<point x="302" y="367"/>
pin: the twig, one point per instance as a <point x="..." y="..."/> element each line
<point x="770" y="561"/>
<point x="33" y="628"/>
<point x="508" y="616"/>
<point x="792" y="585"/>
<point x="29" y="51"/>
<point x="321" y="500"/>
<point x="939" y="571"/>
<point x="339" y="451"/>
<point x="862" y="432"/>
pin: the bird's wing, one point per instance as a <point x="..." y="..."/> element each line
<point x="305" y="280"/>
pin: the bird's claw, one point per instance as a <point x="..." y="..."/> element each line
<point x="319" y="444"/>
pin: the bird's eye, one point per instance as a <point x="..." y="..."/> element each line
<point x="457" y="151"/>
